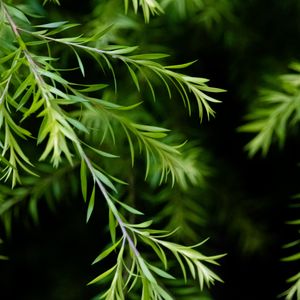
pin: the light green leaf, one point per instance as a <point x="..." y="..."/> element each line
<point x="112" y="226"/>
<point x="292" y="257"/>
<point x="103" y="275"/>
<point x="83" y="179"/>
<point x="17" y="13"/>
<point x="161" y="273"/>
<point x="134" y="77"/>
<point x="182" y="266"/>
<point x="148" y="56"/>
<point x="102" y="153"/>
<point x="130" y="144"/>
<point x="142" y="225"/>
<point x="23" y="86"/>
<point x="54" y="76"/>
<point x="94" y="87"/>
<point x="145" y="270"/>
<point x="164" y="294"/>
<point x="52" y="25"/>
<point x="106" y="252"/>
<point x="78" y="125"/>
<point x="129" y="208"/>
<point x="122" y="50"/>
<point x="57" y="92"/>
<point x="150" y="128"/>
<point x="104" y="179"/>
<point x="294" y="222"/>
<point x="80" y="63"/>
<point x="157" y="249"/>
<point x="155" y="135"/>
<point x="91" y="205"/>
<point x="181" y="66"/>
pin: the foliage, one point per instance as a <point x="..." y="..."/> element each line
<point x="75" y="129"/>
<point x="294" y="281"/>
<point x="275" y="114"/>
<point x="207" y="12"/>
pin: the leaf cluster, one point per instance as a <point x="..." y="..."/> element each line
<point x="75" y="127"/>
<point x="273" y="117"/>
<point x="276" y="111"/>
<point x="294" y="282"/>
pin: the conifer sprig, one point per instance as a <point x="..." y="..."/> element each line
<point x="137" y="64"/>
<point x="275" y="112"/>
<point x="34" y="89"/>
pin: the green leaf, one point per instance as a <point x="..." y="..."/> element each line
<point x="164" y="294"/>
<point x="196" y="80"/>
<point x="78" y="125"/>
<point x="155" y="135"/>
<point x="93" y="87"/>
<point x="23" y="86"/>
<point x="112" y="226"/>
<point x="161" y="273"/>
<point x="149" y="56"/>
<point x="117" y="180"/>
<point x="53" y="75"/>
<point x="103" y="275"/>
<point x="291" y="244"/>
<point x="292" y="257"/>
<point x="61" y="28"/>
<point x="17" y="13"/>
<point x="57" y="92"/>
<point x="126" y="6"/>
<point x="294" y="222"/>
<point x="157" y="249"/>
<point x="142" y="225"/>
<point x="150" y="128"/>
<point x="181" y="66"/>
<point x="104" y="179"/>
<point x="83" y="179"/>
<point x="130" y="144"/>
<point x="123" y="50"/>
<point x="106" y="252"/>
<point x="145" y="270"/>
<point x="129" y="208"/>
<point x="8" y="57"/>
<point x="52" y="25"/>
<point x="33" y="209"/>
<point x="91" y="205"/>
<point x="114" y="106"/>
<point x="182" y="266"/>
<point x="102" y="153"/>
<point x="134" y="77"/>
<point x="80" y="64"/>
<point x="101" y="33"/>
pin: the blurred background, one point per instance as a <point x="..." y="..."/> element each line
<point x="244" y="203"/>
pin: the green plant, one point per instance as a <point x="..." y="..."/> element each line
<point x="275" y="115"/>
<point x="79" y="128"/>
<point x="276" y="111"/>
<point x="294" y="281"/>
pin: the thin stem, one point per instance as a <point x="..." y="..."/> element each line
<point x="32" y="64"/>
<point x="10" y="21"/>
<point x="111" y="205"/>
<point x="62" y="41"/>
